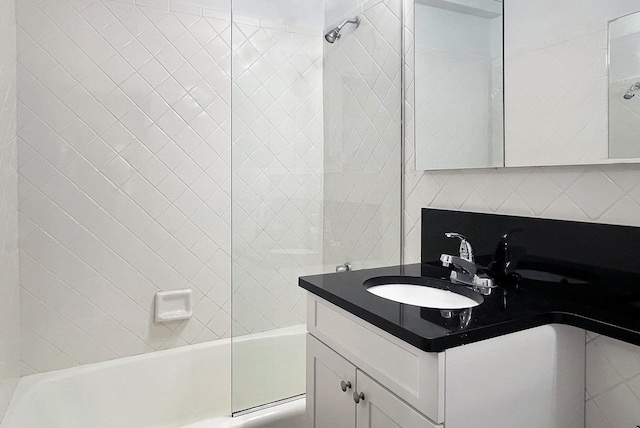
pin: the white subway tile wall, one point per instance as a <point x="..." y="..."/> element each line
<point x="606" y="193"/>
<point x="362" y="101"/>
<point x="277" y="173"/>
<point x="124" y="153"/>
<point x="9" y="284"/>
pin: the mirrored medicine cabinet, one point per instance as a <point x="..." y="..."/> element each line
<point x="526" y="83"/>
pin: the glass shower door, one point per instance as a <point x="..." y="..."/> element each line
<point x="362" y="100"/>
<point x="277" y="192"/>
<point x="316" y="171"/>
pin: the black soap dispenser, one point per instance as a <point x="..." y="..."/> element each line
<point x="503" y="266"/>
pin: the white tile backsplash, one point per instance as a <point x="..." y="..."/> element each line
<point x="9" y="283"/>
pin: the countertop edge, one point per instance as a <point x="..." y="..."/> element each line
<point x="478" y="334"/>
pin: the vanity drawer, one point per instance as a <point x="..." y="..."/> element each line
<point x="415" y="376"/>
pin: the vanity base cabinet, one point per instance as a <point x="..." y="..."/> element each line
<point x="416" y="377"/>
<point x="341" y="396"/>
<point x="382" y="409"/>
<point x="529" y="379"/>
<point x="330" y="385"/>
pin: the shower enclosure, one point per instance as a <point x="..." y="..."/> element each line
<point x="219" y="146"/>
<point x="316" y="164"/>
<point x="276" y="186"/>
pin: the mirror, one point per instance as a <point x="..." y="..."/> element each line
<point x="562" y="102"/>
<point x="624" y="85"/>
<point x="571" y="76"/>
<point x="458" y="84"/>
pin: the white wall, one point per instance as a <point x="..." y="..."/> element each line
<point x="124" y="177"/>
<point x="606" y="194"/>
<point x="362" y="98"/>
<point x="9" y="285"/>
<point x="301" y="13"/>
<point x="337" y="10"/>
<point x="124" y="157"/>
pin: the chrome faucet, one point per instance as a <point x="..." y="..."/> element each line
<point x="465" y="270"/>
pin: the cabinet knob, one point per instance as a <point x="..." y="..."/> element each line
<point x="357" y="397"/>
<point x="345" y="385"/>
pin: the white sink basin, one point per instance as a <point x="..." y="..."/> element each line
<point x="424" y="295"/>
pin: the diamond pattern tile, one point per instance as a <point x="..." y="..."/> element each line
<point x="362" y="99"/>
<point x="124" y="144"/>
<point x="613" y="378"/>
<point x="605" y="193"/>
<point x="125" y="151"/>
<point x="9" y="284"/>
<point x="277" y="177"/>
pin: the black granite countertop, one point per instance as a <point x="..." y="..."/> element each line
<point x="612" y="310"/>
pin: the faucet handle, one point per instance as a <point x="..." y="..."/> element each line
<point x="483" y="284"/>
<point x="466" y="252"/>
<point x="446" y="260"/>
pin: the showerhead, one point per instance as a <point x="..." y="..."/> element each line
<point x="334" y="33"/>
<point x="632" y="91"/>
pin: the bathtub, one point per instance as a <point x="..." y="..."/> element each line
<point x="187" y="387"/>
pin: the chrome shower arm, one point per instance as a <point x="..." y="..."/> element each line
<point x="355" y="21"/>
<point x="334" y="33"/>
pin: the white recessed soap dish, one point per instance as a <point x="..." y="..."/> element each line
<point x="173" y="305"/>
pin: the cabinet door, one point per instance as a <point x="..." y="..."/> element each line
<point x="381" y="409"/>
<point x="328" y="406"/>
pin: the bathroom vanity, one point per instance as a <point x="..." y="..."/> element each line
<point x="360" y="376"/>
<point x="363" y="374"/>
<point x="516" y="359"/>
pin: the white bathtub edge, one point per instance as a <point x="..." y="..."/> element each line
<point x="287" y="415"/>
